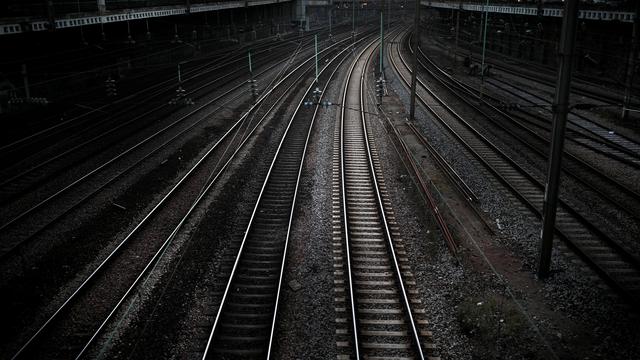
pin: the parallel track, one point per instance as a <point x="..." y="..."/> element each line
<point x="104" y="290"/>
<point x="383" y="321"/>
<point x="55" y="156"/>
<point x="123" y="106"/>
<point x="536" y="72"/>
<point x="247" y="316"/>
<point x="621" y="196"/>
<point x="49" y="211"/>
<point x="581" y="130"/>
<point x="585" y="131"/>
<point x="617" y="266"/>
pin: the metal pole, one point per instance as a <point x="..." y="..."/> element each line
<point x="353" y="16"/>
<point x="250" y="68"/>
<point x="484" y="46"/>
<point x="25" y="79"/>
<point x="455" y="46"/>
<point x="560" y="110"/>
<point x="389" y="14"/>
<point x="416" y="41"/>
<point x="316" y="43"/>
<point x="381" y="44"/>
<point x="179" y="75"/>
<point x="330" y="16"/>
<point x="631" y="64"/>
<point x="51" y="15"/>
<point x="353" y="24"/>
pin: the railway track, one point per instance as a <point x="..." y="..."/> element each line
<point x="124" y="106"/>
<point x="53" y="156"/>
<point x="616" y="265"/>
<point x="618" y="193"/>
<point x="48" y="211"/>
<point x="581" y="131"/>
<point x="585" y="131"/>
<point x="80" y="318"/>
<point x="584" y="85"/>
<point x="377" y="307"/>
<point x="247" y="316"/>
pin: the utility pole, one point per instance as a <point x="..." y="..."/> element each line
<point x="455" y="46"/>
<point x="631" y="64"/>
<point x="253" y="87"/>
<point x="414" y="74"/>
<point x="330" y="17"/>
<point x="382" y="40"/>
<point x="25" y="80"/>
<point x="316" y="46"/>
<point x="485" y="10"/>
<point x="389" y="14"/>
<point x="560" y="109"/>
<point x="353" y="25"/>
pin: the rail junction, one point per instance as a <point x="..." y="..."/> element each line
<point x="320" y="180"/>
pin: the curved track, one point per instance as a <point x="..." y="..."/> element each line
<point x="611" y="260"/>
<point x="105" y="289"/>
<point x="384" y="319"/>
<point x="79" y="142"/>
<point x="246" y="319"/>
<point x="619" y="193"/>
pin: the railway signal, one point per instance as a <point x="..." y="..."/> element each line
<point x="110" y="87"/>
<point x="181" y="97"/>
<point x="253" y="84"/>
<point x="253" y="89"/>
<point x="380" y="83"/>
<point x="181" y="94"/>
<point x="315" y="100"/>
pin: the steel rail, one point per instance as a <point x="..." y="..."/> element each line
<point x="446" y="167"/>
<point x="581" y="219"/>
<point x="398" y="272"/>
<point x="8" y="250"/>
<point x="315" y="112"/>
<point x="594" y="131"/>
<point x="471" y="198"/>
<point x="168" y="240"/>
<point x="112" y="130"/>
<point x="378" y="198"/>
<point x="583" y="81"/>
<point x="589" y="259"/>
<point x="210" y="342"/>
<point x="615" y="183"/>
<point x="111" y="255"/>
<point x="590" y="134"/>
<point x="354" y="315"/>
<point x="423" y="185"/>
<point x="109" y="162"/>
<point x="189" y="75"/>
